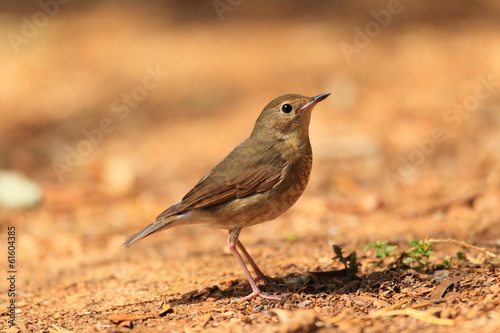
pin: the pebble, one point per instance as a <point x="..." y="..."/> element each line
<point x="17" y="191"/>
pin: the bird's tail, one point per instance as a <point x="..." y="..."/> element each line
<point x="155" y="226"/>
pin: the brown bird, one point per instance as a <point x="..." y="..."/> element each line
<point x="257" y="182"/>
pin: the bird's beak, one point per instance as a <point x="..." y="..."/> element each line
<point x="314" y="100"/>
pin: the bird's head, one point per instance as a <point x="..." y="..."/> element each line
<point x="285" y="116"/>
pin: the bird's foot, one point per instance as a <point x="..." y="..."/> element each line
<point x="258" y="293"/>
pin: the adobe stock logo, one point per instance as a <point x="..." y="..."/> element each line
<point x="223" y="6"/>
<point x="454" y="118"/>
<point x="121" y="108"/>
<point x="31" y="27"/>
<point x="363" y="37"/>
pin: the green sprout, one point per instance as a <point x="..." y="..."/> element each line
<point x="350" y="262"/>
<point x="417" y="257"/>
<point x="382" y="250"/>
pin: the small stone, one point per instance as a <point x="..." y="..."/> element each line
<point x="304" y="303"/>
<point x="17" y="191"/>
<point x="442" y="274"/>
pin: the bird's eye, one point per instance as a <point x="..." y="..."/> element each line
<point x="286" y="108"/>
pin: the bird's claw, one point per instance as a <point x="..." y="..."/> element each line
<point x="258" y="293"/>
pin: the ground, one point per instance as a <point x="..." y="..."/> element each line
<point x="117" y="110"/>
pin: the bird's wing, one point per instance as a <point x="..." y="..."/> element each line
<point x="214" y="189"/>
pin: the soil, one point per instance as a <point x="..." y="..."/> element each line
<point x="117" y="110"/>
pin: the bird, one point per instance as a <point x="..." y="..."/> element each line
<point x="256" y="182"/>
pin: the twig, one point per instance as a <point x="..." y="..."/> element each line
<point x="466" y="245"/>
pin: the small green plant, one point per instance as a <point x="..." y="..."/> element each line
<point x="382" y="250"/>
<point x="350" y="262"/>
<point x="417" y="257"/>
<point x="459" y="257"/>
<point x="292" y="236"/>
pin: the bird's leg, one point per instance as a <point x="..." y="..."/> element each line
<point x="232" y="241"/>
<point x="260" y="276"/>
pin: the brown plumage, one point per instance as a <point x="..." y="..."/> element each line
<point x="258" y="181"/>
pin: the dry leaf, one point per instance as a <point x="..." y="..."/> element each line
<point x="420" y="315"/>
<point x="441" y="288"/>
<point x="12" y="329"/>
<point x="121" y="316"/>
<point x="58" y="329"/>
<point x="297" y="321"/>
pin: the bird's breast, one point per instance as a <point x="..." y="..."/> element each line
<point x="266" y="206"/>
<point x="296" y="176"/>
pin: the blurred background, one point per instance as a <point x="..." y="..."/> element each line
<point x="111" y="111"/>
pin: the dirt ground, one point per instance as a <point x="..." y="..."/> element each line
<point x="117" y="110"/>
